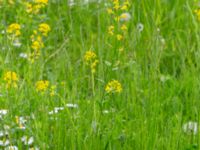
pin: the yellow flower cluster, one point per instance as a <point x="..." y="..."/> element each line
<point x="44" y="29"/>
<point x="114" y="11"/>
<point x="113" y="86"/>
<point x="35" y="6"/>
<point x="14" y="29"/>
<point x="42" y="85"/>
<point x="90" y="59"/>
<point x="37" y="42"/>
<point x="11" y="79"/>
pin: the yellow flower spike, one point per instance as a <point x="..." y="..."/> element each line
<point x="90" y="59"/>
<point x="113" y="86"/>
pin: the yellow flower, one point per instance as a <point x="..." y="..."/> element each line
<point x="44" y="29"/>
<point x="116" y="4"/>
<point x="119" y="37"/>
<point x="11" y="79"/>
<point x="90" y="59"/>
<point x="111" y="30"/>
<point x="14" y="29"/>
<point x="36" y="45"/>
<point x="89" y="56"/>
<point x="42" y="85"/>
<point x="45" y="2"/>
<point x="124" y="27"/>
<point x="110" y="11"/>
<point x="124" y="7"/>
<point x="35" y="6"/>
<point x="113" y="86"/>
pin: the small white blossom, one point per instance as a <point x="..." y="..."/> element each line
<point x="27" y="141"/>
<point x="3" y="112"/>
<point x="72" y="105"/>
<point x="4" y="143"/>
<point x="17" y="43"/>
<point x="190" y="127"/>
<point x="23" y="55"/>
<point x="56" y="110"/>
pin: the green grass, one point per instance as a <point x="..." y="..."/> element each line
<point x="159" y="71"/>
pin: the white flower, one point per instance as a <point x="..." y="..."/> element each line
<point x="140" y="27"/>
<point x="4" y="143"/>
<point x="3" y="133"/>
<point x="21" y="121"/>
<point x="56" y="110"/>
<point x="190" y="127"/>
<point x="125" y="17"/>
<point x="23" y="55"/>
<point x="3" y="112"/>
<point x="72" y="105"/>
<point x="27" y="141"/>
<point x="71" y="3"/>
<point x="11" y="148"/>
<point x="17" y="43"/>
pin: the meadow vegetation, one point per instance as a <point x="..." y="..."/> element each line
<point x="109" y="74"/>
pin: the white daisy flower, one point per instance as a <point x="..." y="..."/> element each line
<point x="190" y="127"/>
